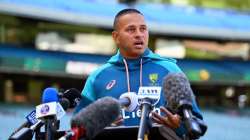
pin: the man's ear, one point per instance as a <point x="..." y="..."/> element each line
<point x="115" y="36"/>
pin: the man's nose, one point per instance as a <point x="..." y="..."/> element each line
<point x="138" y="33"/>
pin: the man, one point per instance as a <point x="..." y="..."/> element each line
<point x="133" y="66"/>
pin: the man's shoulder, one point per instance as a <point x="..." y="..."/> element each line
<point x="100" y="69"/>
<point x="157" y="58"/>
<point x="165" y="61"/>
<point x="169" y="64"/>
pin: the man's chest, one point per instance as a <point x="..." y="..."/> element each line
<point x="114" y="84"/>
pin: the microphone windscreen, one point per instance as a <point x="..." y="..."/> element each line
<point x="65" y="103"/>
<point x="177" y="90"/>
<point x="96" y="116"/>
<point x="50" y="95"/>
<point x="73" y="95"/>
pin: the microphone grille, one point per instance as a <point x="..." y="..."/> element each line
<point x="176" y="89"/>
<point x="50" y="95"/>
<point x="73" y="95"/>
<point x="65" y="103"/>
<point x="96" y="116"/>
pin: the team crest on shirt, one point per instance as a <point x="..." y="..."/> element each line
<point x="110" y="84"/>
<point x="153" y="77"/>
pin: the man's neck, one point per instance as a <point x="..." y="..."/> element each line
<point x="131" y="57"/>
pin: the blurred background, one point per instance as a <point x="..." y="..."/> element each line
<point x="59" y="42"/>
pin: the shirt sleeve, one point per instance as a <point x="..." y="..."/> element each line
<point x="89" y="90"/>
<point x="88" y="94"/>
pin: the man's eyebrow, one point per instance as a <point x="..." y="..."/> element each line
<point x="132" y="25"/>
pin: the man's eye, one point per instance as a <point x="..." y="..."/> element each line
<point x="131" y="30"/>
<point x="143" y="29"/>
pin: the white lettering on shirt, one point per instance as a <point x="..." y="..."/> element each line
<point x="136" y="114"/>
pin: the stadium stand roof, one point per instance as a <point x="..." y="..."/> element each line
<point x="162" y="19"/>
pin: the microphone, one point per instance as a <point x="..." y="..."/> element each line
<point x="48" y="107"/>
<point x="148" y="97"/>
<point x="129" y="101"/>
<point x="30" y="120"/>
<point x="49" y="111"/>
<point x="50" y="95"/>
<point x="22" y="134"/>
<point x="92" y="119"/>
<point x="65" y="103"/>
<point x="26" y="133"/>
<point x="73" y="96"/>
<point x="26" y="130"/>
<point x="179" y="96"/>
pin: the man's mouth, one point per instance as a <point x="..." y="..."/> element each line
<point x="139" y="44"/>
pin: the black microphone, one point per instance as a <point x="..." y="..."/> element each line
<point x="179" y="96"/>
<point x="73" y="95"/>
<point x="65" y="103"/>
<point x="92" y="119"/>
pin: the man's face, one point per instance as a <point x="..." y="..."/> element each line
<point x="131" y="35"/>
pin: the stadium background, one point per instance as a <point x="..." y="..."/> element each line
<point x="58" y="43"/>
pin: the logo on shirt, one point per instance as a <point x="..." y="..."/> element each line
<point x="110" y="84"/>
<point x="153" y="77"/>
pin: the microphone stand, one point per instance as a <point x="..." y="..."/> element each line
<point x="145" y="123"/>
<point x="50" y="128"/>
<point x="38" y="134"/>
